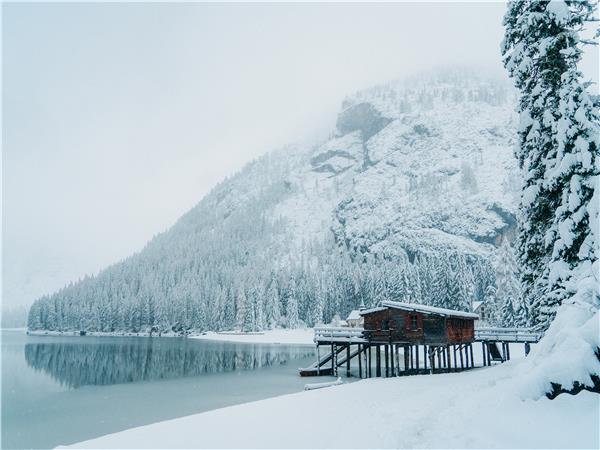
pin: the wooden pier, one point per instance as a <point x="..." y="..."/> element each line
<point x="396" y="342"/>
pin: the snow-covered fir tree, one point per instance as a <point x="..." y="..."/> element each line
<point x="557" y="148"/>
<point x="508" y="288"/>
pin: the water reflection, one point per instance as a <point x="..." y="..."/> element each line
<point x="98" y="361"/>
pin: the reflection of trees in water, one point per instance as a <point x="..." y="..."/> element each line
<point x="81" y="364"/>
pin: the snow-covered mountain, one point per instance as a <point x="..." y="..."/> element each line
<point x="407" y="198"/>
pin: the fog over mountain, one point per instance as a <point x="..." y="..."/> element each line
<point x="119" y="117"/>
<point x="408" y="198"/>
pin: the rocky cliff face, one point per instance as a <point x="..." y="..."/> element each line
<point x="414" y="168"/>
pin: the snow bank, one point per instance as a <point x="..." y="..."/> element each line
<point x="476" y="409"/>
<point x="566" y="354"/>
<point x="278" y="336"/>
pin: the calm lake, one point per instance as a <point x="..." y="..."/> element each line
<point x="62" y="390"/>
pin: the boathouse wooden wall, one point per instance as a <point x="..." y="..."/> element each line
<point x="460" y="331"/>
<point x="399" y="326"/>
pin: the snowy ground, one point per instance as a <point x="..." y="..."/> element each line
<point x="279" y="336"/>
<point x="475" y="409"/>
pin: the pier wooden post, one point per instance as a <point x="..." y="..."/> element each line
<point x="392" y="368"/>
<point x="439" y="357"/>
<point x="348" y="361"/>
<point x="425" y="357"/>
<point x="455" y="360"/>
<point x="460" y="352"/>
<point x="449" y="359"/>
<point x="370" y="362"/>
<point x="359" y="362"/>
<point x="417" y="356"/>
<point x="318" y="361"/>
<point x="471" y="352"/>
<point x="332" y="360"/>
<point x="397" y="358"/>
<point x="377" y="360"/>
<point x="387" y="360"/>
<point x="431" y="359"/>
<point x="405" y="353"/>
<point x="508" y="350"/>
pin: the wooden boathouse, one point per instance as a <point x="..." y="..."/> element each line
<point x="408" y="338"/>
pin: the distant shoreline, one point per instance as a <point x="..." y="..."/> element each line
<point x="101" y="334"/>
<point x="277" y="336"/>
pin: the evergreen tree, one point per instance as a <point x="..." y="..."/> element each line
<point x="507" y="318"/>
<point x="272" y="304"/>
<point x="292" y="305"/>
<point x="557" y="147"/>
<point x="491" y="306"/>
<point x="507" y="281"/>
<point x="521" y="315"/>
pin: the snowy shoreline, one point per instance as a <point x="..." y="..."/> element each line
<point x="277" y="336"/>
<point x="100" y="334"/>
<point x="476" y="409"/>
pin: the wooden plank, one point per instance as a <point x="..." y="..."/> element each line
<point x="312" y="371"/>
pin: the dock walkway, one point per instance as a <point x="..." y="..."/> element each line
<point x="347" y="343"/>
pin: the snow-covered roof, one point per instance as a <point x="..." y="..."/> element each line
<point x="371" y="310"/>
<point x="354" y="315"/>
<point x="476" y="305"/>
<point x="423" y="309"/>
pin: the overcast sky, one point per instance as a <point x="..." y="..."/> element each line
<point x="118" y="118"/>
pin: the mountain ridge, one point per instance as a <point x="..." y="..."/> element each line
<point x="415" y="180"/>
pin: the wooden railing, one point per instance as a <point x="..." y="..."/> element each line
<point x="507" y="335"/>
<point x="338" y="334"/>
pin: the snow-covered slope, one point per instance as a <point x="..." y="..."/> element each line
<point x="476" y="409"/>
<point x="406" y="200"/>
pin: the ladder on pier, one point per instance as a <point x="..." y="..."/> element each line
<point x="317" y="368"/>
<point x="340" y="339"/>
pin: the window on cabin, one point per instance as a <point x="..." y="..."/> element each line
<point x="414" y="323"/>
<point x="385" y="325"/>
